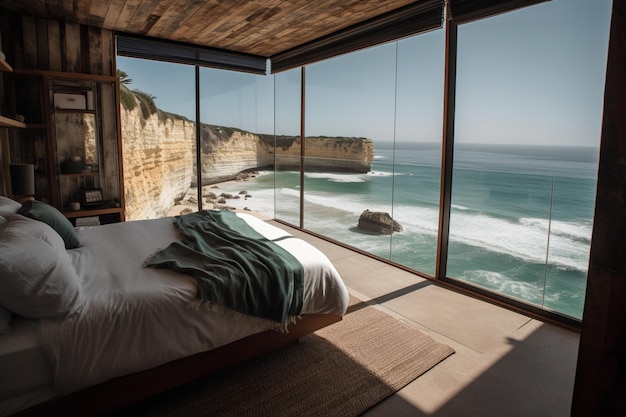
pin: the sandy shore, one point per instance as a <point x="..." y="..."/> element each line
<point x="218" y="196"/>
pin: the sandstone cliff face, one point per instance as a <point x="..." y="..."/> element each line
<point x="328" y="154"/>
<point x="226" y="152"/>
<point x="159" y="158"/>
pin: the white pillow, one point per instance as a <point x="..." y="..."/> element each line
<point x="37" y="279"/>
<point x="8" y="206"/>
<point x="25" y="227"/>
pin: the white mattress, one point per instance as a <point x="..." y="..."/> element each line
<point x="136" y="318"/>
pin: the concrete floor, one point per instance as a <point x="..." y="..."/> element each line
<point x="506" y="364"/>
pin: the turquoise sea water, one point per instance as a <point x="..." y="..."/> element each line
<point x="521" y="216"/>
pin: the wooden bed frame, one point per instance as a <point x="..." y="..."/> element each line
<point x="121" y="392"/>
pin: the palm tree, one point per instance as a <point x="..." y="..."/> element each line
<point x="123" y="76"/>
<point x="126" y="96"/>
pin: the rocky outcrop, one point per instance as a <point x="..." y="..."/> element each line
<point x="159" y="157"/>
<point x="378" y="222"/>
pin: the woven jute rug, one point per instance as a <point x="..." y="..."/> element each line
<point x="341" y="370"/>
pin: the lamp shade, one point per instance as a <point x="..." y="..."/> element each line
<point x="22" y="179"/>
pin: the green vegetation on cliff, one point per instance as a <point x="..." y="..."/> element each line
<point x="129" y="99"/>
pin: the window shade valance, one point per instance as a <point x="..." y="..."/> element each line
<point x="181" y="53"/>
<point x="463" y="11"/>
<point x="406" y="21"/>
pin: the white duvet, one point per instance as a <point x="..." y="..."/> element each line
<point x="135" y="318"/>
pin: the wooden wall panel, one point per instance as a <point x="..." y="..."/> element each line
<point x="71" y="45"/>
<point x="29" y="42"/>
<point x="44" y="44"/>
<point x="108" y="52"/>
<point x="55" y="59"/>
<point x="94" y="48"/>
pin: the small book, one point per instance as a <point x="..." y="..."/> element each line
<point x="88" y="221"/>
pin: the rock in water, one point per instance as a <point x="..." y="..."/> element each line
<point x="378" y="222"/>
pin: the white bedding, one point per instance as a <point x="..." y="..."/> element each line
<point x="136" y="318"/>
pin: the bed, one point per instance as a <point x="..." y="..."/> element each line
<point x="126" y="331"/>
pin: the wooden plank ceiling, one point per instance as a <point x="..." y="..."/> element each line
<point x="259" y="27"/>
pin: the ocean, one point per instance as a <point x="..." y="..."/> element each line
<point x="520" y="223"/>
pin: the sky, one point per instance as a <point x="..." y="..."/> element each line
<point x="531" y="76"/>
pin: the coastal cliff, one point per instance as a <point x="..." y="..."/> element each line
<point x="159" y="152"/>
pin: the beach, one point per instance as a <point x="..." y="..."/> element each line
<point x="232" y="195"/>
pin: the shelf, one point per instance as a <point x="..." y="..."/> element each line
<point x="35" y="126"/>
<point x="91" y="212"/>
<point x="7" y="122"/>
<point x="58" y="110"/>
<point x="82" y="174"/>
<point x="4" y="66"/>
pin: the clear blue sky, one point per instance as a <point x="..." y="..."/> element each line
<point x="533" y="76"/>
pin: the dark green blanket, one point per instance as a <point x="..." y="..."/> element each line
<point x="236" y="267"/>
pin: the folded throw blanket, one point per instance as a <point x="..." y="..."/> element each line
<point x="235" y="266"/>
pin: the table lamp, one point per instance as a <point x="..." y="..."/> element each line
<point x="22" y="181"/>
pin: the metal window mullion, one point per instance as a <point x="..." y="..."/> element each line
<point x="447" y="148"/>
<point x="198" y="141"/>
<point x="302" y="133"/>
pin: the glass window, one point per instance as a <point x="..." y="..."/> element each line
<point x="373" y="149"/>
<point x="529" y="91"/>
<point x="237" y="141"/>
<point x="287" y="99"/>
<point x="527" y="127"/>
<point x="350" y="104"/>
<point x="417" y="150"/>
<point x="158" y="136"/>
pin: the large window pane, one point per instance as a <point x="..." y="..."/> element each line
<point x="158" y="134"/>
<point x="528" y="114"/>
<point x="236" y="114"/>
<point x="417" y="150"/>
<point x="287" y="108"/>
<point x="350" y="102"/>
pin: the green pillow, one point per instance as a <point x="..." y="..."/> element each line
<point x="54" y="218"/>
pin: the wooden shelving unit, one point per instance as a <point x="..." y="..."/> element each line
<point x="8" y="122"/>
<point x="55" y="133"/>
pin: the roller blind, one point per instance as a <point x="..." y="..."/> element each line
<point x="182" y="53"/>
<point x="405" y="21"/>
<point x="463" y="11"/>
